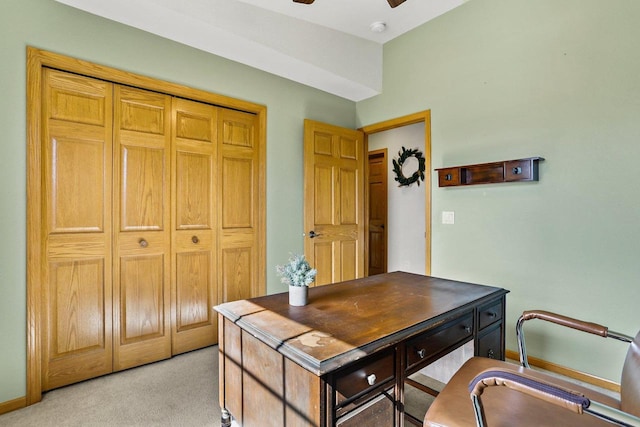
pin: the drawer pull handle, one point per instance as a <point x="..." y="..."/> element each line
<point x="195" y="240"/>
<point x="422" y="353"/>
<point x="517" y="170"/>
<point x="447" y="177"/>
<point x="467" y="329"/>
<point x="491" y="354"/>
<point x="371" y="379"/>
<point x="491" y="314"/>
<point x="143" y="243"/>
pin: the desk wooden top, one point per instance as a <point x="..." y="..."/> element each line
<point x="346" y="321"/>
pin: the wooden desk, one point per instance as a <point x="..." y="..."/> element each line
<point x="342" y="360"/>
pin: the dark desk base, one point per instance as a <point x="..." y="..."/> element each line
<point x="263" y="383"/>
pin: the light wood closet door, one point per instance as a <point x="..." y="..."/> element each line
<point x="194" y="290"/>
<point x="141" y="264"/>
<point x="238" y="198"/>
<point x="76" y="224"/>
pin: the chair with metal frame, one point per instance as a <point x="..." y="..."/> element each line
<point x="527" y="397"/>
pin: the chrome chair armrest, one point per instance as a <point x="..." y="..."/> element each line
<point x="549" y="392"/>
<point x="580" y="325"/>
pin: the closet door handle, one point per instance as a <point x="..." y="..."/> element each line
<point x="195" y="240"/>
<point x="143" y="243"/>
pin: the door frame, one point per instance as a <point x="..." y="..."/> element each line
<point x="419" y="117"/>
<point x="37" y="59"/>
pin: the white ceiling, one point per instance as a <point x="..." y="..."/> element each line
<point x="327" y="45"/>
<point x="355" y="16"/>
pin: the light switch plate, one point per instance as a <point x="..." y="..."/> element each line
<point x="448" y="217"/>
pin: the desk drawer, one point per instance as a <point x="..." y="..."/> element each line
<point x="518" y="170"/>
<point x="489" y="314"/>
<point x="364" y="376"/>
<point x="449" y="177"/>
<point x="430" y="343"/>
<point x="490" y="344"/>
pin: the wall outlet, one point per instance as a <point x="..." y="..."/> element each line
<point x="448" y="217"/>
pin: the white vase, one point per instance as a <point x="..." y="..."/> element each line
<point x="298" y="295"/>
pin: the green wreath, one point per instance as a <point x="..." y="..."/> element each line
<point x="397" y="167"/>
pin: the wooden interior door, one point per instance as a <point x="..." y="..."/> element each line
<point x="239" y="178"/>
<point x="141" y="282"/>
<point x="193" y="279"/>
<point x="377" y="242"/>
<point x="334" y="207"/>
<point x="76" y="225"/>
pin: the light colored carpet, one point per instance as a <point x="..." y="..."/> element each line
<point x="182" y="391"/>
<point x="179" y="392"/>
<point x="416" y="402"/>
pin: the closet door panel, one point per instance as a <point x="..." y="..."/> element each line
<point x="76" y="274"/>
<point x="238" y="259"/>
<point x="193" y="190"/>
<point x="141" y="287"/>
<point x="77" y="298"/>
<point x="194" y="286"/>
<point x="238" y="191"/>
<point x="193" y="272"/>
<point x="142" y="187"/>
<point x="79" y="339"/>
<point x="76" y="99"/>
<point x="75" y="205"/>
<point x="141" y="298"/>
<point x="239" y="172"/>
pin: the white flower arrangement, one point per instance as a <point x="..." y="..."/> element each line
<point x="296" y="272"/>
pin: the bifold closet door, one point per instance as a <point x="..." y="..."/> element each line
<point x="142" y="229"/>
<point x="239" y="201"/>
<point x="194" y="219"/>
<point x="76" y="226"/>
<point x="152" y="212"/>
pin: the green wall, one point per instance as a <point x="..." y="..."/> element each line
<point x="503" y="78"/>
<point x="49" y="25"/>
<point x="506" y="79"/>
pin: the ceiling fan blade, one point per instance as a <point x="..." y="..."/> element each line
<point x="394" y="3"/>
